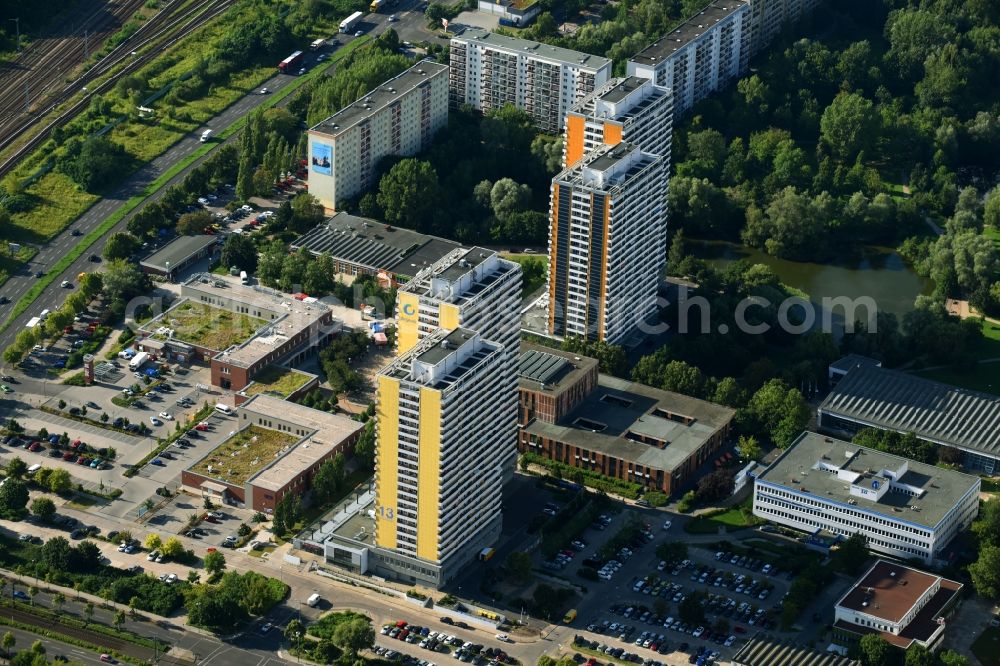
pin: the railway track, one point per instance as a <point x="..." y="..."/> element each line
<point x="172" y="23"/>
<point x="30" y="77"/>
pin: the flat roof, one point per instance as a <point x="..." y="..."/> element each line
<point x="466" y="346"/>
<point x="374" y="101"/>
<point x="178" y="251"/>
<point x="619" y="417"/>
<point x="244" y="454"/>
<point x="530" y="48"/>
<point x="329" y="431"/>
<point x="464" y="269"/>
<point x="764" y="650"/>
<point x="931" y="410"/>
<point x="852" y="361"/>
<point x="603" y="169"/>
<point x="288" y="316"/>
<point x="687" y="32"/>
<point x="374" y="245"/>
<point x="798" y="468"/>
<point x="889" y="591"/>
<point x="551" y="371"/>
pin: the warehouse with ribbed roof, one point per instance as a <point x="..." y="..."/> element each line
<point x="947" y="415"/>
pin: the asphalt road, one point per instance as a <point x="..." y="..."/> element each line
<point x="410" y="24"/>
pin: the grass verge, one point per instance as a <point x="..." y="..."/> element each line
<point x="987" y="647"/>
<point x="731" y="519"/>
<point x="118" y="215"/>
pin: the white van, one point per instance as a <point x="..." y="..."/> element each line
<point x="313" y="600"/>
<point x="244" y="278"/>
<point x="43" y="314"/>
<point x="34" y="468"/>
<point x="206" y="135"/>
<point x="224" y="409"/>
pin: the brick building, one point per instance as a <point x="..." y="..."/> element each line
<point x="570" y="413"/>
<point x="309" y="438"/>
<point x="287" y="329"/>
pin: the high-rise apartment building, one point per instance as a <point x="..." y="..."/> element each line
<point x="630" y="109"/>
<point x="443" y="439"/>
<point x="475" y="289"/>
<point x="768" y="17"/>
<point x="399" y="117"/>
<point x="703" y="54"/>
<point x="489" y="70"/>
<point x="607" y="243"/>
<point x="472" y="288"/>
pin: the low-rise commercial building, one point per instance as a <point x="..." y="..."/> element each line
<point x="764" y="650"/>
<point x="705" y="53"/>
<point x="362" y="246"/>
<point x="513" y="13"/>
<point x="873" y="397"/>
<point x="490" y="70"/>
<point x="239" y="329"/>
<point x="903" y="605"/>
<point x="179" y="254"/>
<point x="905" y="509"/>
<point x="839" y="368"/>
<point x="399" y="117"/>
<point x="570" y="413"/>
<point x="276" y="450"/>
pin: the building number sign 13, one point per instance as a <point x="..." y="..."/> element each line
<point x="385" y="512"/>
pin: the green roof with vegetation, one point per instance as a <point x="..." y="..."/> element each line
<point x="203" y="325"/>
<point x="243" y="455"/>
<point x="278" y="381"/>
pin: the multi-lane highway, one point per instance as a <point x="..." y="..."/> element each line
<point x="21" y="282"/>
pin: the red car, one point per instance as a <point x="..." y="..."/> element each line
<point x="82" y="460"/>
<point x="201" y="426"/>
<point x="76" y="443"/>
<point x="740" y="630"/>
<point x="403" y="634"/>
<point x="68" y="455"/>
<point x="35" y="446"/>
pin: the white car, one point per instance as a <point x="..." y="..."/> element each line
<point x="358" y="33"/>
<point x="66" y="284"/>
<point x="729" y="641"/>
<point x="264" y="91"/>
<point x="503" y="638"/>
<point x="393" y="19"/>
<point x="171" y="578"/>
<point x="155" y="421"/>
<point x="166" y="416"/>
<point x="667" y="524"/>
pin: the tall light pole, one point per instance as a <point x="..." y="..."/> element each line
<point x="17" y="24"/>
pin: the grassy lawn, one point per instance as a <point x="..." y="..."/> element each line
<point x="277" y="380"/>
<point x="203" y="325"/>
<point x="58" y="199"/>
<point x="731" y="519"/>
<point x="990" y="484"/>
<point x="992" y="233"/>
<point x="987" y="647"/>
<point x="244" y="454"/>
<point x="982" y="377"/>
<point x="325" y="626"/>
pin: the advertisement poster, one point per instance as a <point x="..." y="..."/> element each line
<point x="322" y="158"/>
